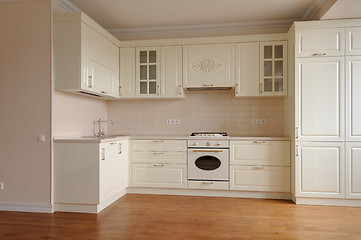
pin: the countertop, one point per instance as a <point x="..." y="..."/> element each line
<point x="90" y="139"/>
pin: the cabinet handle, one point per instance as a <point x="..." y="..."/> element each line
<point x="158" y="165"/>
<point x="208" y="85"/>
<point x="158" y="141"/>
<point x="296" y="150"/>
<point x="103" y="92"/>
<point x="296" y="132"/>
<point x="208" y="183"/>
<point x="119" y="148"/>
<point x="319" y="54"/>
<point x="260" y="88"/>
<point x="90" y="81"/>
<point x="103" y="153"/>
<point x="259" y="142"/>
<point x="111" y="143"/>
<point x="258" y="167"/>
<point x="158" y="153"/>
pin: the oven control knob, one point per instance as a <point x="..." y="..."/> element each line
<point x="208" y="144"/>
<point x="196" y="144"/>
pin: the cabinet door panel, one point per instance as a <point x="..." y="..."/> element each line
<point x="260" y="178"/>
<point x="353" y="170"/>
<point x="320" y="170"/>
<point x="353" y="98"/>
<point x="320" y="42"/>
<point x="171" y="72"/>
<point x="319" y="94"/>
<point x="127" y="73"/>
<point x="247" y="69"/>
<point x="353" y="41"/>
<point x="159" y="175"/>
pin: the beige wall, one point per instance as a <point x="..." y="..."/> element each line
<point x="73" y="115"/>
<point x="199" y="111"/>
<point x="25" y="101"/>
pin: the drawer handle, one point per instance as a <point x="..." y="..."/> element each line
<point x="208" y="85"/>
<point x="259" y="141"/>
<point x="158" y="165"/>
<point x="208" y="183"/>
<point x="258" y="167"/>
<point x="319" y="54"/>
<point x="158" y="153"/>
<point x="207" y="151"/>
<point x="111" y="143"/>
<point x="158" y="141"/>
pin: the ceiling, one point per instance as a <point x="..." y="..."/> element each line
<point x="132" y="16"/>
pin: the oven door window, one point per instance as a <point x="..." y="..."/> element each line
<point x="208" y="163"/>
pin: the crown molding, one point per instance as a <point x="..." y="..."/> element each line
<point x="314" y="8"/>
<point x="67" y="5"/>
<point x="202" y="28"/>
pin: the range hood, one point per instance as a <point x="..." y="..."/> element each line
<point x="207" y="88"/>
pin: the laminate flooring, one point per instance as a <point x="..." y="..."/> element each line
<point x="148" y="217"/>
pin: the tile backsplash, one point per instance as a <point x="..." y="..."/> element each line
<point x="199" y="111"/>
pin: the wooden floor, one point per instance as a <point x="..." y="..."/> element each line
<point x="151" y="217"/>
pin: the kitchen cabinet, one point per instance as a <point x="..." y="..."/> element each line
<point x="353" y="170"/>
<point x="260" y="166"/>
<point x="89" y="176"/>
<point x="127" y="73"/>
<point x="353" y="41"/>
<point x="353" y="98"/>
<point x="159" y="163"/>
<point x="273" y="68"/>
<point x="86" y="57"/>
<point x="247" y="69"/>
<point x="320" y="100"/>
<point x="320" y="42"/>
<point x="209" y="65"/>
<point x="320" y="169"/>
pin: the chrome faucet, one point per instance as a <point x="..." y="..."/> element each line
<point x="101" y="131"/>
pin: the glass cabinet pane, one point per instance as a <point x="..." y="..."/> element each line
<point x="268" y="68"/>
<point x="152" y="87"/>
<point x="279" y="51"/>
<point x="143" y="56"/>
<point x="143" y="88"/>
<point x="152" y="56"/>
<point x="278" y="68"/>
<point x="278" y="84"/>
<point x="152" y="72"/>
<point x="143" y="72"/>
<point x="268" y="84"/>
<point x="267" y="52"/>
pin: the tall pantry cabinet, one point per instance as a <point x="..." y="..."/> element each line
<point x="327" y="117"/>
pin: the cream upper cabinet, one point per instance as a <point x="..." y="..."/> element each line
<point x="86" y="57"/>
<point x="353" y="98"/>
<point x="247" y="69"/>
<point x="353" y="170"/>
<point x="320" y="170"/>
<point x="353" y="41"/>
<point x="320" y="42"/>
<point x="273" y="68"/>
<point x="127" y="73"/>
<point x="210" y="65"/>
<point x="171" y="72"/>
<point x="319" y="99"/>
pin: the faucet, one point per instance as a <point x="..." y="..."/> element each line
<point x="101" y="131"/>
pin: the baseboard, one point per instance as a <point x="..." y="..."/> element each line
<point x="328" y="202"/>
<point x="26" y="207"/>
<point x="210" y="193"/>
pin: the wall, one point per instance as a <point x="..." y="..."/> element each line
<point x="25" y="104"/>
<point x="73" y="115"/>
<point x="199" y="111"/>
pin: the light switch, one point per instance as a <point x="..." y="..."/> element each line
<point x="41" y="138"/>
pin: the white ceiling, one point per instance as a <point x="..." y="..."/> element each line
<point x="119" y="16"/>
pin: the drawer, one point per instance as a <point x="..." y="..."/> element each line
<point x="320" y="42"/>
<point x="159" y="175"/>
<point x="270" y="153"/>
<point x="260" y="178"/>
<point x="159" y="157"/>
<point x="208" y="185"/>
<point x="159" y="145"/>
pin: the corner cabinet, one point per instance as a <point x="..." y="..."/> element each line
<point x="86" y="57"/>
<point x="273" y="68"/>
<point x="211" y="65"/>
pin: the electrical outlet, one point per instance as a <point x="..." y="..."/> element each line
<point x="256" y="121"/>
<point x="1" y="186"/>
<point x="173" y="121"/>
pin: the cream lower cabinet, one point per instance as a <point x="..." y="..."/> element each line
<point x="89" y="176"/>
<point x="260" y="166"/>
<point x="159" y="163"/>
<point x="353" y="170"/>
<point x="320" y="169"/>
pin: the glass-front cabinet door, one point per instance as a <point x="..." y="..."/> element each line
<point x="148" y="72"/>
<point x="273" y="68"/>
